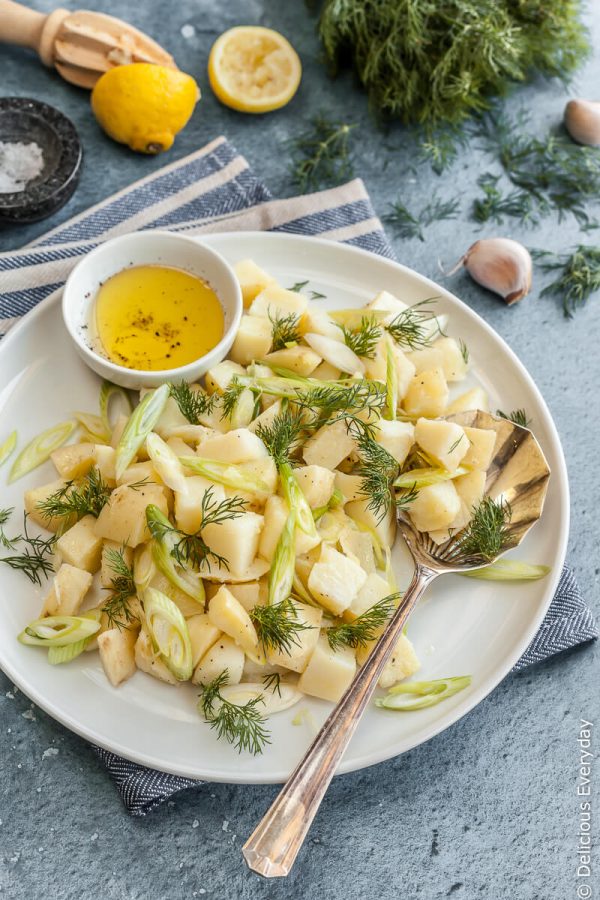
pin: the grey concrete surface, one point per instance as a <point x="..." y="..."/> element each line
<point x="489" y="808"/>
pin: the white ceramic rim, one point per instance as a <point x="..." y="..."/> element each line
<point x="185" y="373"/>
<point x="483" y="688"/>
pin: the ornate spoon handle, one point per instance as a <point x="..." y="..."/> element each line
<point x="274" y="844"/>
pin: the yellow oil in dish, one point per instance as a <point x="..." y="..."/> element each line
<point x="157" y="317"/>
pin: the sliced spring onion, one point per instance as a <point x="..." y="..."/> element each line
<point x="39" y="449"/>
<point x="162" y="545"/>
<point x="58" y="631"/>
<point x="239" y="476"/>
<point x="59" y="655"/>
<point x="107" y="392"/>
<point x="7" y="447"/>
<point x="296" y="500"/>
<point x="144" y="568"/>
<point x="421" y="694"/>
<point x="391" y="380"/>
<point x="271" y="701"/>
<point x="379" y="547"/>
<point x="169" y="633"/>
<point x="243" y="411"/>
<point x="420" y="478"/>
<point x="301" y="592"/>
<point x="139" y="425"/>
<point x="166" y="463"/>
<point x="281" y="576"/>
<point x="509" y="570"/>
<point x="94" y="426"/>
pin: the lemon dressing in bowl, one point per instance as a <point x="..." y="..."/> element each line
<point x="156" y="318"/>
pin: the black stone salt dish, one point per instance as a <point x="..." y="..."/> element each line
<point x="25" y="120"/>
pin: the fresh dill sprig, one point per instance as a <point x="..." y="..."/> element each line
<point x="272" y="682"/>
<point x="335" y="402"/>
<point x="191" y="549"/>
<point x="282" y="436"/>
<point x="363" y="340"/>
<point x="242" y="726"/>
<point x="35" y="558"/>
<point x="365" y="627"/>
<point x="285" y="330"/>
<point x="193" y="404"/>
<point x="579" y="275"/>
<point x="464" y="351"/>
<point x="412" y="327"/>
<point x="6" y="542"/>
<point x="122" y="588"/>
<point x="278" y="626"/>
<point x="408" y="225"/>
<point x="230" y="397"/>
<point x="73" y="501"/>
<point x="485" y="535"/>
<point x="321" y="155"/>
<point x="494" y="205"/>
<point x="377" y="470"/>
<point x="518" y="416"/>
<point x="300" y="285"/>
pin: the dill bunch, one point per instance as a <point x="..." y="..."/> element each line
<point x="321" y="155"/>
<point x="438" y="61"/>
<point x="579" y="275"/>
<point x="408" y="225"/>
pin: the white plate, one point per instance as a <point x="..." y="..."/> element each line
<point x="462" y="627"/>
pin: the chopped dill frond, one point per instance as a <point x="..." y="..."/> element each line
<point x="35" y="558"/>
<point x="408" y="225"/>
<point x="272" y="682"/>
<point x="365" y="627"/>
<point x="282" y="436"/>
<point x="285" y="330"/>
<point x="494" y="205"/>
<point x="122" y="588"/>
<point x="321" y="155"/>
<point x="363" y="340"/>
<point x="278" y="626"/>
<point x="75" y="500"/>
<point x="518" y="416"/>
<point x="230" y="397"/>
<point x="242" y="726"/>
<point x="193" y="404"/>
<point x="300" y="285"/>
<point x="579" y="276"/>
<point x="412" y="327"/>
<point x="464" y="351"/>
<point x="485" y="535"/>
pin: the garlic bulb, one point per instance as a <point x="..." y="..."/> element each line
<point x="501" y="265"/>
<point x="582" y="121"/>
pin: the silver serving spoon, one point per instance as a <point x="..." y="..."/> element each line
<point x="519" y="474"/>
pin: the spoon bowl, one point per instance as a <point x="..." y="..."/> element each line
<point x="518" y="478"/>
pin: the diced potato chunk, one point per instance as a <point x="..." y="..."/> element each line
<point x="326" y="372"/>
<point x="300" y="359"/>
<point x="305" y="641"/>
<point x="358" y="544"/>
<point x="219" y="377"/>
<point x="317" y="484"/>
<point x="73" y="461"/>
<point x="203" y="634"/>
<point x="471" y="488"/>
<point x="435" y="506"/>
<point x="252" y="279"/>
<point x="141" y="471"/>
<point x="275" y="517"/>
<point x="148" y="661"/>
<point x="396" y="437"/>
<point x="236" y="540"/>
<point x="335" y="580"/>
<point x="384" y="528"/>
<point x="275" y="302"/>
<point x="237" y="446"/>
<point x="266" y="417"/>
<point x="252" y="341"/>
<point x="318" y="321"/>
<point x="328" y="446"/>
<point x="38" y="495"/>
<point x="80" y="546"/>
<point x="123" y="519"/>
<point x="224" y="654"/>
<point x="453" y="363"/>
<point x="104" y="461"/>
<point x="376" y="368"/>
<point x="329" y="672"/>
<point x="462" y="518"/>
<point x="107" y="573"/>
<point x="387" y="303"/>
<point x="188" y="506"/>
<point x="373" y="590"/>
<point x="426" y="358"/>
<point x="119" y="428"/>
<point x="476" y="398"/>
<point x="228" y="615"/>
<point x="403" y="663"/>
<point x="69" y="587"/>
<point x="248" y="593"/>
<point x="427" y="394"/>
<point x="117" y="654"/>
<point x="446" y="442"/>
<point x="480" y="453"/>
<point x="349" y="485"/>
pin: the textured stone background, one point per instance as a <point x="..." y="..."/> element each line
<point x="488" y="808"/>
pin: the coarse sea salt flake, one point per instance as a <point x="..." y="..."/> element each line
<point x="20" y="163"/>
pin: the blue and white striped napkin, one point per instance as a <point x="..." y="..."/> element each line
<point x="214" y="190"/>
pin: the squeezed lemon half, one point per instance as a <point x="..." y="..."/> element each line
<point x="254" y="69"/>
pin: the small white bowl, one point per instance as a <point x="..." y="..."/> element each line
<point x="146" y="248"/>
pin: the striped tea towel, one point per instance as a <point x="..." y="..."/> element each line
<point x="214" y="190"/>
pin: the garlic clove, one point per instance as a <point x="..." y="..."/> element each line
<point x="501" y="265"/>
<point x="582" y="121"/>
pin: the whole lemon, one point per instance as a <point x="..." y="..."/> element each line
<point x="143" y="105"/>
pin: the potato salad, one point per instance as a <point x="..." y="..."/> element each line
<point x="238" y="532"/>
